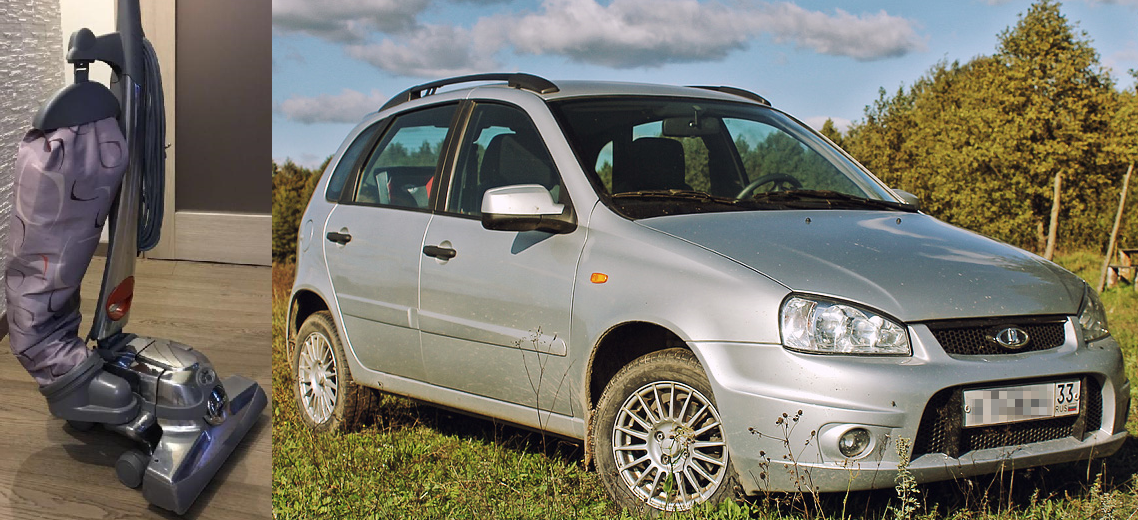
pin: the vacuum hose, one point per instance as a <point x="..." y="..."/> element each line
<point x="153" y="156"/>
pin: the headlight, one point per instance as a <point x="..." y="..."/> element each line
<point x="1092" y="317"/>
<point x="836" y="328"/>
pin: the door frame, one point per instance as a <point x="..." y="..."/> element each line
<point x="238" y="238"/>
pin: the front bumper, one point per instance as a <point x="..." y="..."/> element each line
<point x="755" y="385"/>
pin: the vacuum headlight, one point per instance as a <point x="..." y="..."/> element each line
<point x="215" y="406"/>
<point x="826" y="327"/>
<point x="1092" y="317"/>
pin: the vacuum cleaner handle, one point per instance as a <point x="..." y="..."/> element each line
<point x="128" y="23"/>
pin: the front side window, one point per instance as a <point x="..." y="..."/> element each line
<point x="661" y="156"/>
<point x="402" y="166"/>
<point x="501" y="147"/>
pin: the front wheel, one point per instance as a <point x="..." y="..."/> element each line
<point x="658" y="437"/>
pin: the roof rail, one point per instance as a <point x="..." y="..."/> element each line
<point x="736" y="91"/>
<point x="518" y="80"/>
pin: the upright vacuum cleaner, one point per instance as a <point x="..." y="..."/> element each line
<point x="96" y="154"/>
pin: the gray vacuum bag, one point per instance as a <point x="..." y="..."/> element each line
<point x="65" y="182"/>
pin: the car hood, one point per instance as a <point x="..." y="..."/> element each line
<point x="909" y="265"/>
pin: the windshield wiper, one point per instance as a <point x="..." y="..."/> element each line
<point x="828" y="199"/>
<point x="675" y="194"/>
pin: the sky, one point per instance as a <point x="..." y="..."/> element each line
<point x="334" y="61"/>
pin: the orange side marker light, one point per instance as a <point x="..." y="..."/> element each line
<point x="599" y="278"/>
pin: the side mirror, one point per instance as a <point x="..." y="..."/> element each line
<point x="909" y="198"/>
<point x="525" y="207"/>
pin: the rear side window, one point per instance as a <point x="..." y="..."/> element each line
<point x="344" y="168"/>
<point x="402" y="166"/>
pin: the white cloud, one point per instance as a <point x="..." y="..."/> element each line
<point x="304" y="160"/>
<point x="309" y="160"/>
<point x="628" y="33"/>
<point x="862" y="37"/>
<point x="349" y="106"/>
<point x="1133" y="3"/>
<point x="840" y="123"/>
<point x="636" y="33"/>
<point x="618" y="34"/>
<point x="431" y="51"/>
<point x="346" y="20"/>
<point x="1122" y="60"/>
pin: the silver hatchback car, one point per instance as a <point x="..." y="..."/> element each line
<point x="710" y="295"/>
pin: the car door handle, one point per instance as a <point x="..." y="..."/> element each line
<point x="444" y="253"/>
<point x="339" y="238"/>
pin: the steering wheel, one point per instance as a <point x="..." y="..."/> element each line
<point x="780" y="181"/>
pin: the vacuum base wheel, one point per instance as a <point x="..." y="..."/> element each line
<point x="81" y="426"/>
<point x="130" y="468"/>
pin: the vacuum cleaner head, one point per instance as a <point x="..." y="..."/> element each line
<point x="199" y="418"/>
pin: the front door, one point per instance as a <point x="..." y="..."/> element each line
<point x="495" y="317"/>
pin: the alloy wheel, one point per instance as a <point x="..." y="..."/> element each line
<point x="668" y="445"/>
<point x="317" y="377"/>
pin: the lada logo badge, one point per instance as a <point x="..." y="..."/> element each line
<point x="1012" y="338"/>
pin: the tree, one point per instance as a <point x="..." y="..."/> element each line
<point x="292" y="188"/>
<point x="982" y="143"/>
<point x="831" y="132"/>
<point x="1059" y="110"/>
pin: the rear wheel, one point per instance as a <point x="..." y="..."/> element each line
<point x="328" y="398"/>
<point x="658" y="437"/>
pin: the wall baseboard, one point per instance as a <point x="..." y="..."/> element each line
<point x="235" y="238"/>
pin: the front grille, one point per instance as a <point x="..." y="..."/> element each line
<point x="973" y="337"/>
<point x="942" y="424"/>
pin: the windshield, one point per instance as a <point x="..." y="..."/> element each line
<point x="655" y="156"/>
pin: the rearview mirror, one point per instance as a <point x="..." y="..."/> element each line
<point x="909" y="198"/>
<point x="525" y="207"/>
<point x="690" y="127"/>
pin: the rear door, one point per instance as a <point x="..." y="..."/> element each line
<point x="373" y="240"/>
<point x="495" y="317"/>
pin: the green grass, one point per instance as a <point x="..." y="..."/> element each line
<point x="416" y="461"/>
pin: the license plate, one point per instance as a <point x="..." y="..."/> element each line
<point x="1020" y="403"/>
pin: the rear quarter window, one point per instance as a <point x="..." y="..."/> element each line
<point x="344" y="168"/>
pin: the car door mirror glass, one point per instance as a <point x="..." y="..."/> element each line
<point x="909" y="198"/>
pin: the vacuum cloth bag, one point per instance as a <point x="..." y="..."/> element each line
<point x="65" y="182"/>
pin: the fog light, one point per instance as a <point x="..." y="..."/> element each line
<point x="854" y="442"/>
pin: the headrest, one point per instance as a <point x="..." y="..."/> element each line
<point x="516" y="159"/>
<point x="658" y="164"/>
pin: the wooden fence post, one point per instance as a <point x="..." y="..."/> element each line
<point x="1053" y="230"/>
<point x="1114" y="231"/>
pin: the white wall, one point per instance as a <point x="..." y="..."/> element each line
<point x="97" y="15"/>
<point x="29" y="73"/>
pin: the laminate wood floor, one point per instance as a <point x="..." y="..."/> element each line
<point x="50" y="471"/>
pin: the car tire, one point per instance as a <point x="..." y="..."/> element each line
<point x="327" y="396"/>
<point x="651" y="412"/>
